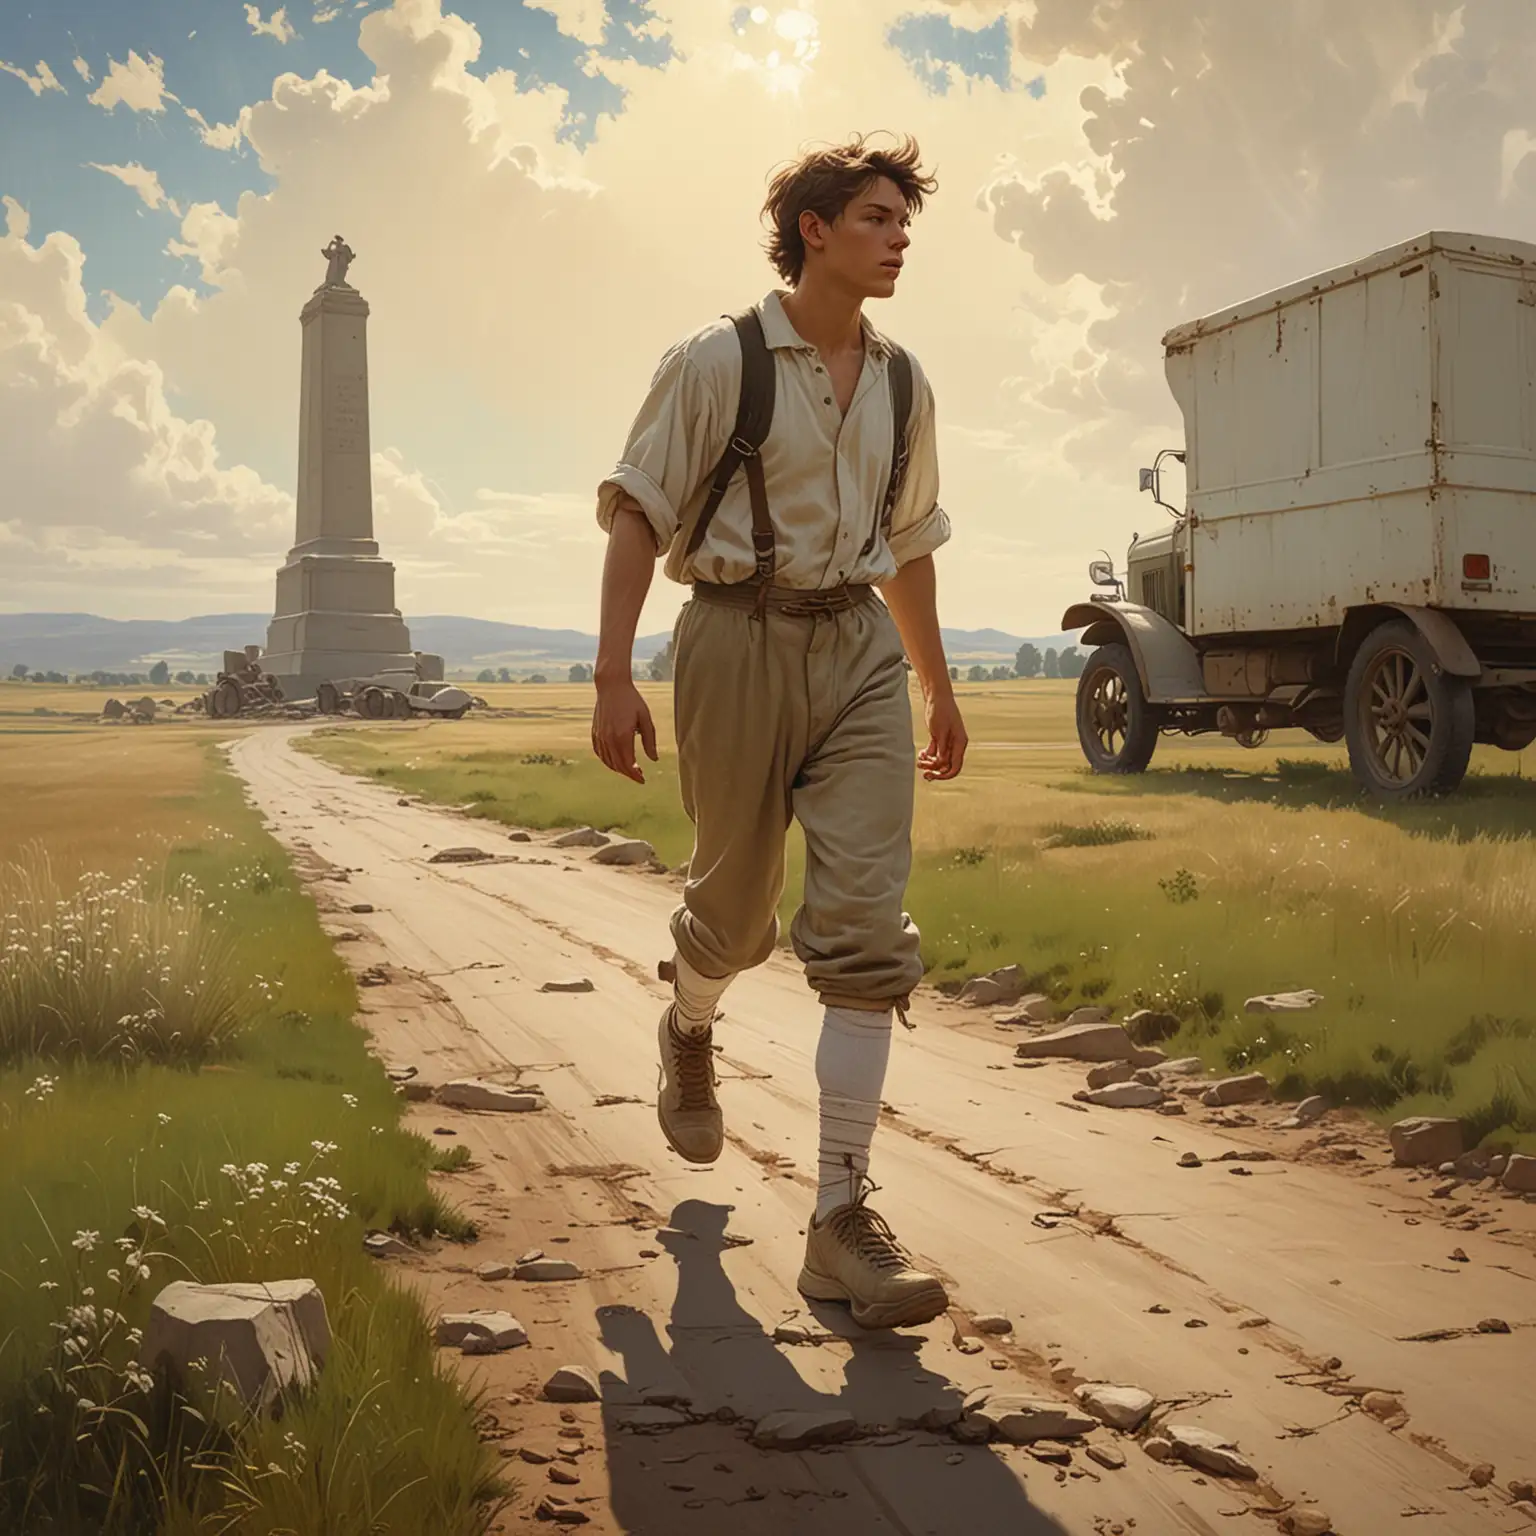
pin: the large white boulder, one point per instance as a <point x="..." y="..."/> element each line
<point x="261" y="1340"/>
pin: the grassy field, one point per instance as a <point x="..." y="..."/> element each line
<point x="263" y="1152"/>
<point x="1219" y="874"/>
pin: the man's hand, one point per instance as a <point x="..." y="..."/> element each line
<point x="912" y="597"/>
<point x="621" y="715"/>
<point x="944" y="756"/>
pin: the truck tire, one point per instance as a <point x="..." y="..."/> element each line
<point x="1409" y="725"/>
<point x="1116" y="726"/>
<point x="225" y="701"/>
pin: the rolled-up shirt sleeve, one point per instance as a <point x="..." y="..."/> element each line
<point x="919" y="525"/>
<point x="666" y="456"/>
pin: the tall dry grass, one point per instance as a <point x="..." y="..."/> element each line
<point x="131" y="1160"/>
<point x="104" y="969"/>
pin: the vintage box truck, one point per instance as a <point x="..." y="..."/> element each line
<point x="1356" y="550"/>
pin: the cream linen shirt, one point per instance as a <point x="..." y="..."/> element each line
<point x="825" y="472"/>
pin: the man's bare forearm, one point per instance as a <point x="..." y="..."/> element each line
<point x="912" y="596"/>
<point x="627" y="571"/>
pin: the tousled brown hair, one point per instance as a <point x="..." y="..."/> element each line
<point x="824" y="181"/>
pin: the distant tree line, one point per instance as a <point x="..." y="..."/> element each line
<point x="1028" y="663"/>
<point x="579" y="672"/>
<point x="657" y="670"/>
<point x="1066" y="663"/>
<point x="158" y="676"/>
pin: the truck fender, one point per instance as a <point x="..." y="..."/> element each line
<point x="1445" y="639"/>
<point x="1166" y="662"/>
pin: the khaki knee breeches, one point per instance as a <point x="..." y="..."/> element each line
<point x="804" y="717"/>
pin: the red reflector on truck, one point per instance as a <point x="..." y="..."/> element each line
<point x="1476" y="568"/>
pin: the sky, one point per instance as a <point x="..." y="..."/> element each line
<point x="544" y="197"/>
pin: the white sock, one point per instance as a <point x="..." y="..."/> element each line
<point x="696" y="996"/>
<point x="851" y="1059"/>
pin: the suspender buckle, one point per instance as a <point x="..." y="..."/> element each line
<point x="741" y="446"/>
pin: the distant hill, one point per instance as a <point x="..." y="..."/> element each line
<point x="82" y="642"/>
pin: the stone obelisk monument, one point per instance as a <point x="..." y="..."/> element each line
<point x="335" y="616"/>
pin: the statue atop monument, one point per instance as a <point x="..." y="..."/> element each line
<point x="340" y="255"/>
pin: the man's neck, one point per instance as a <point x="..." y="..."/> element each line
<point x="827" y="317"/>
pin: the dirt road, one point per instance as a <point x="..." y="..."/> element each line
<point x="1263" y="1305"/>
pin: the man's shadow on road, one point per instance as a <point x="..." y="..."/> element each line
<point x="669" y="1479"/>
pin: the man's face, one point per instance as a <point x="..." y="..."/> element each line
<point x="862" y="249"/>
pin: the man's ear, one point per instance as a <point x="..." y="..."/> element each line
<point x="812" y="229"/>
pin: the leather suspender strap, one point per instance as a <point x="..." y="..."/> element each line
<point x="899" y="369"/>
<point x="754" y="415"/>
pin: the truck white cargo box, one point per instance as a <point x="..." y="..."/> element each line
<point x="1354" y="437"/>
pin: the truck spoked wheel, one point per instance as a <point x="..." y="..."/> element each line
<point x="1409" y="724"/>
<point x="1115" y="725"/>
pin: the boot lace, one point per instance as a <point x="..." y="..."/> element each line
<point x="693" y="1059"/>
<point x="865" y="1231"/>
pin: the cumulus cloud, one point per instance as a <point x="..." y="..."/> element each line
<point x="582" y="19"/>
<point x="207" y="233"/>
<point x="217" y="135"/>
<point x="93" y="451"/>
<point x="138" y="85"/>
<point x="278" y="28"/>
<point x="82" y="69"/>
<point x="115" y="499"/>
<point x="143" y="181"/>
<point x="43" y="80"/>
<point x="1241" y="148"/>
<point x="1182" y="156"/>
<point x="523" y="289"/>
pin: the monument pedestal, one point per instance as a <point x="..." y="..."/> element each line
<point x="335" y="615"/>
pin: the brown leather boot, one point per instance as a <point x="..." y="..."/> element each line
<point x="853" y="1256"/>
<point x="686" y="1105"/>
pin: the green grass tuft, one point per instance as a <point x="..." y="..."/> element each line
<point x="1102" y="833"/>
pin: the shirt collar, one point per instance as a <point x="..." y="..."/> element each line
<point x="779" y="332"/>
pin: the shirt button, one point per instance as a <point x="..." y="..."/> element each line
<point x="826" y="399"/>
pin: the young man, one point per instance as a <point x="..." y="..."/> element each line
<point x="791" y="688"/>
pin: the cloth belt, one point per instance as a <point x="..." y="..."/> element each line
<point x="795" y="602"/>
